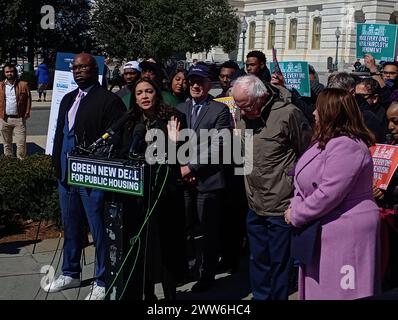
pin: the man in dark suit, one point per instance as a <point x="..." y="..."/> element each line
<point x="204" y="180"/>
<point x="84" y="115"/>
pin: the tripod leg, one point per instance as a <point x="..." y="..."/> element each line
<point x="37" y="235"/>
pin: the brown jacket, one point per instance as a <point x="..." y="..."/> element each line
<point x="280" y="136"/>
<point x="24" y="99"/>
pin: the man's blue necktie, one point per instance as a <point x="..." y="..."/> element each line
<point x="195" y="113"/>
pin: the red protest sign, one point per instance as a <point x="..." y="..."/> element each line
<point x="385" y="162"/>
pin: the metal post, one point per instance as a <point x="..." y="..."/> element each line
<point x="244" y="26"/>
<point x="337" y="33"/>
<point x="337" y="55"/>
<point x="243" y="47"/>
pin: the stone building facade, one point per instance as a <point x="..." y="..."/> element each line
<point x="305" y="29"/>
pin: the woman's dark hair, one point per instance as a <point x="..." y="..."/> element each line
<point x="184" y="94"/>
<point x="161" y="111"/>
<point x="339" y="115"/>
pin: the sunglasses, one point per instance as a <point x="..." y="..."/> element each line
<point x="198" y="80"/>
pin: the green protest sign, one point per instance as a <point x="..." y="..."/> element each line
<point x="107" y="175"/>
<point x="379" y="40"/>
<point x="296" y="76"/>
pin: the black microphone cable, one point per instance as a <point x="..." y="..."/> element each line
<point x="51" y="263"/>
<point x="60" y="256"/>
<point x="148" y="215"/>
<point x="94" y="269"/>
<point x="136" y="239"/>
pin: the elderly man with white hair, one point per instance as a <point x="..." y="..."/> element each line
<point x="281" y="133"/>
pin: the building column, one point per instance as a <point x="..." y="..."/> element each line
<point x="260" y="31"/>
<point x="379" y="12"/>
<point x="303" y="31"/>
<point x="280" y="32"/>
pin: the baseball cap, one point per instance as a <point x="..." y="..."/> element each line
<point x="132" y="65"/>
<point x="200" y="71"/>
<point x="149" y="65"/>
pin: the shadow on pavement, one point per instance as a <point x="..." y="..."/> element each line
<point x="16" y="246"/>
<point x="234" y="286"/>
<point x="31" y="147"/>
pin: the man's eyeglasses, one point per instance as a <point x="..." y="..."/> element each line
<point x="82" y="67"/>
<point x="364" y="95"/>
<point x="199" y="81"/>
<point x="391" y="73"/>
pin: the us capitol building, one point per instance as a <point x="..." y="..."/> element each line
<point x="305" y="29"/>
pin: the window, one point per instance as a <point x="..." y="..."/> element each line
<point x="293" y="34"/>
<point x="252" y="35"/>
<point x="271" y="35"/>
<point x="316" y="34"/>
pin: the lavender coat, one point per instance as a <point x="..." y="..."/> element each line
<point x="335" y="186"/>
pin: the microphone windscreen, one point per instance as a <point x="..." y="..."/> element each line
<point x="118" y="124"/>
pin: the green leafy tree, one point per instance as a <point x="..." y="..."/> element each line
<point x="73" y="28"/>
<point x="20" y="27"/>
<point x="163" y="28"/>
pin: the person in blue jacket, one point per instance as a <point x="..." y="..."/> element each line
<point x="42" y="80"/>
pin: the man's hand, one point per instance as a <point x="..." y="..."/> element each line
<point x="378" y="193"/>
<point x="187" y="175"/>
<point x="370" y="63"/>
<point x="277" y="80"/>
<point x="288" y="216"/>
<point x="26" y="116"/>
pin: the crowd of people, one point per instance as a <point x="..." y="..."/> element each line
<point x="310" y="187"/>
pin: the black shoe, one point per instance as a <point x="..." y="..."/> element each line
<point x="227" y="267"/>
<point x="203" y="285"/>
<point x="38" y="100"/>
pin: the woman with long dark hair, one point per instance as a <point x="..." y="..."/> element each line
<point x="164" y="259"/>
<point x="333" y="185"/>
<point x="178" y="89"/>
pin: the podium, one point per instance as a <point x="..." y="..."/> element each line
<point x="129" y="186"/>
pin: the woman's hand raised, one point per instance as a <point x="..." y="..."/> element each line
<point x="173" y="129"/>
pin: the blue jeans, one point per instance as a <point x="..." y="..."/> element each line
<point x="75" y="202"/>
<point x="270" y="263"/>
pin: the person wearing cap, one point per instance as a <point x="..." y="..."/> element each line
<point x="204" y="182"/>
<point x="131" y="74"/>
<point x="152" y="70"/>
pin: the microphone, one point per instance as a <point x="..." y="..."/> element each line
<point x="389" y="138"/>
<point x="138" y="144"/>
<point x="112" y="130"/>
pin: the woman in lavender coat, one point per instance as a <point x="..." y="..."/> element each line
<point x="333" y="184"/>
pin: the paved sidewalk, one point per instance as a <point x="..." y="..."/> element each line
<point x="20" y="270"/>
<point x="21" y="273"/>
